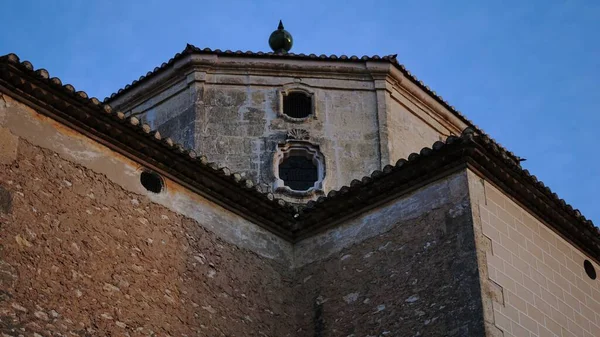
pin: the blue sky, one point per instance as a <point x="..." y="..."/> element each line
<point x="526" y="72"/>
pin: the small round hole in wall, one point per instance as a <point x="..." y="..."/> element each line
<point x="151" y="181"/>
<point x="589" y="269"/>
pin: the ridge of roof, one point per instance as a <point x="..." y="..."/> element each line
<point x="107" y="118"/>
<point x="470" y="134"/>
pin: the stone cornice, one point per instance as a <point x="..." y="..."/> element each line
<point x="349" y="75"/>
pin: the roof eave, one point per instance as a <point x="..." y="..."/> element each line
<point x="471" y="150"/>
<point x="137" y="142"/>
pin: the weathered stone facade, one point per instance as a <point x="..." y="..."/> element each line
<point x="83" y="254"/>
<point x="457" y="240"/>
<point x="79" y="228"/>
<point x="229" y="109"/>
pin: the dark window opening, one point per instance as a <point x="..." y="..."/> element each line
<point x="589" y="269"/>
<point x="298" y="173"/>
<point x="297" y="105"/>
<point x="151" y="181"/>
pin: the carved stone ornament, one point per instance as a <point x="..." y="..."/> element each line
<point x="308" y="152"/>
<point x="298" y="134"/>
<point x="295" y="87"/>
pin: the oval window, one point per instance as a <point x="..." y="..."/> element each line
<point x="297" y="105"/>
<point x="589" y="269"/>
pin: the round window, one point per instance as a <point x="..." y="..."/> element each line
<point x="297" y="105"/>
<point x="298" y="173"/>
<point x="151" y="181"/>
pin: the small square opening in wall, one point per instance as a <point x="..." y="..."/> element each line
<point x="589" y="269"/>
<point x="297" y="105"/>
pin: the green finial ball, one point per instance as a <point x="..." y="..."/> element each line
<point x="281" y="40"/>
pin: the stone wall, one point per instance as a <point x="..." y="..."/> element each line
<point x="236" y="123"/>
<point x="413" y="125"/>
<point x="543" y="287"/>
<point x="368" y="114"/>
<point x="233" y="120"/>
<point x="408" y="268"/>
<point x="172" y="112"/>
<point x="86" y="251"/>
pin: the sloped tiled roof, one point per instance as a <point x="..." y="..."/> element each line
<point x="89" y="115"/>
<point x="469" y="144"/>
<point x="127" y="136"/>
<point x="470" y="149"/>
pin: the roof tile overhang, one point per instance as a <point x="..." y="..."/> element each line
<point x="127" y="136"/>
<point x="472" y="149"/>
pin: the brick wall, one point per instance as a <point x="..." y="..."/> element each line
<point x="545" y="290"/>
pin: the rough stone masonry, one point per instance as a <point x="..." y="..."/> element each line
<point x="83" y="254"/>
<point x="80" y="255"/>
<point x="458" y="240"/>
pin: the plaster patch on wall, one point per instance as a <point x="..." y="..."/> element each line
<point x="82" y="155"/>
<point x="225" y="224"/>
<point x="44" y="132"/>
<point x="150" y="118"/>
<point x="375" y="222"/>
